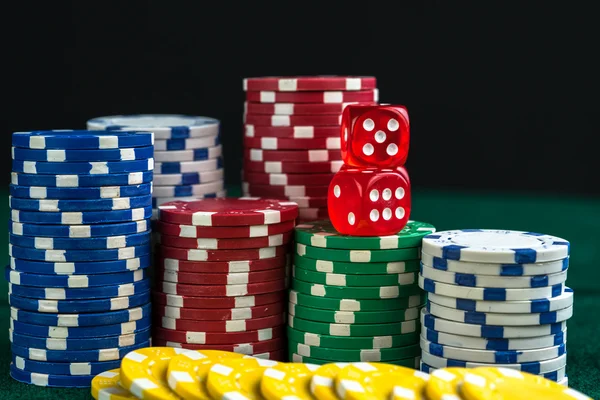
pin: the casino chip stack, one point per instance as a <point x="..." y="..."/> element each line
<point x="355" y="298"/>
<point x="496" y="298"/>
<point x="79" y="250"/>
<point x="292" y="136"/>
<point x="187" y="150"/>
<point x="221" y="275"/>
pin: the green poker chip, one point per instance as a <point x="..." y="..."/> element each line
<point x="362" y="256"/>
<point x="342" y="342"/>
<point x="412" y="362"/>
<point x="353" y="317"/>
<point x="352" y="355"/>
<point x="345" y="292"/>
<point x="339" y="267"/>
<point x="325" y="278"/>
<point x="323" y="234"/>
<point x="325" y="303"/>
<point x="325" y="328"/>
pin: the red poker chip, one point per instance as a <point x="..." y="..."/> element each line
<point x="228" y="212"/>
<point x="309" y="83"/>
<point x="258" y="178"/>
<point x="224" y="244"/>
<point x="240" y="278"/>
<point x="284" y="192"/>
<point x="313" y="213"/>
<point x="232" y="314"/>
<point x="224" y="267"/>
<point x="310" y="202"/>
<point x="280" y="167"/>
<point x="294" y="109"/>
<point x="223" y="232"/>
<point x="183" y="289"/>
<point x="293" y="120"/>
<point x="172" y="300"/>
<point x="239" y="325"/>
<point x="337" y="96"/>
<point x="223" y="255"/>
<point x="274" y="143"/>
<point x="292" y="132"/>
<point x="192" y="337"/>
<point x="240" y="348"/>
<point x="253" y="154"/>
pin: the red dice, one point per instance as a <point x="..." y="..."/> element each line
<point x="369" y="201"/>
<point x="375" y="135"/>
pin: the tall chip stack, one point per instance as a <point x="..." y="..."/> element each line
<point x="221" y="270"/>
<point x="496" y="298"/>
<point x="292" y="136"/>
<point x="355" y="298"/>
<point x="79" y="250"/>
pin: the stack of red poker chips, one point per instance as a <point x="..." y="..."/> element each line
<point x="221" y="269"/>
<point x="292" y="136"/>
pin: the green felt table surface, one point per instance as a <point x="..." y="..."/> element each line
<point x="573" y="218"/>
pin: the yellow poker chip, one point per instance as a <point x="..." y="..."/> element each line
<point x="378" y="381"/>
<point x="444" y="383"/>
<point x="105" y="386"/>
<point x="187" y="372"/>
<point x="287" y="381"/>
<point x="237" y="379"/>
<point x="496" y="383"/>
<point x="144" y="372"/>
<point x="322" y="382"/>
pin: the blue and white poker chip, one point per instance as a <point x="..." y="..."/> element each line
<point x="159" y="201"/>
<point x="50" y="380"/>
<point x="76" y="332"/>
<point x="70" y="193"/>
<point x="73" y="281"/>
<point x="189" y="178"/>
<point x="64" y="181"/>
<point x="205" y="153"/>
<point x="495" y="246"/>
<point x="79" y="231"/>
<point x="81" y="218"/>
<point x="96" y="292"/>
<point x="175" y="167"/>
<point x="95" y="243"/>
<point x="164" y="126"/>
<point x="189" y="190"/>
<point x="79" y="306"/>
<point x="556" y="376"/>
<point x="80" y="268"/>
<point x="47" y="205"/>
<point x="82" y="139"/>
<point x="186" y="144"/>
<point x="75" y="355"/>
<point x="78" y="255"/>
<point x="55" y="155"/>
<point x="85" y="168"/>
<point x="79" y="344"/>
<point x="61" y="368"/>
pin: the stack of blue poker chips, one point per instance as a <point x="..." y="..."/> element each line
<point x="187" y="150"/>
<point x="80" y="249"/>
<point x="496" y="298"/>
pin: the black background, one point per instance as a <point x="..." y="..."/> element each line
<point x="502" y="95"/>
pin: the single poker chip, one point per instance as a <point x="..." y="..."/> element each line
<point x="81" y="139"/>
<point x="222" y="290"/>
<point x="320" y="97"/>
<point x="183" y="167"/>
<point x="63" y="181"/>
<point x="280" y="167"/>
<point x="494" y="294"/>
<point x="448" y="339"/>
<point x="105" y="386"/>
<point x="164" y="126"/>
<point x="80" y="218"/>
<point x="68" y="155"/>
<point x="99" y="292"/>
<point x="47" y="205"/>
<point x="287" y="380"/>
<point x="227" y="267"/>
<point x="80" y="268"/>
<point x="352" y="317"/>
<point x="364" y="256"/>
<point x="240" y="325"/>
<point x="323" y="234"/>
<point x="496" y="246"/>
<point x="193" y="337"/>
<point x="311" y="214"/>
<point x="259" y="178"/>
<point x="254" y="154"/>
<point x="78" y="255"/>
<point x="341" y="292"/>
<point x="293" y="120"/>
<point x="353" y="343"/>
<point x="202" y="154"/>
<point x="54" y="194"/>
<point x="186" y="144"/>
<point x="86" y="168"/>
<point x="239" y="278"/>
<point x="75" y="355"/>
<point x="221" y="303"/>
<point x="226" y="244"/>
<point x="64" y="368"/>
<point x="159" y="201"/>
<point x="294" y="109"/>
<point x="224" y="232"/>
<point x="79" y="344"/>
<point x="223" y="255"/>
<point x="325" y="278"/>
<point x="489" y="331"/>
<point x="79" y="306"/>
<point x="50" y="380"/>
<point x="224" y="314"/>
<point x="99" y="231"/>
<point x="561" y="302"/>
<point x="352" y="330"/>
<point x="354" y="305"/>
<point x="188" y="178"/>
<point x="322" y="382"/>
<point x="72" y="281"/>
<point x="188" y="190"/>
<point x="309" y="83"/>
<point x="284" y="192"/>
<point x="237" y="378"/>
<point x="338" y="267"/>
<point x="445" y="383"/>
<point x="291" y="132"/>
<point x="95" y="243"/>
<point x="248" y="349"/>
<point x="412" y="362"/>
<point x="465" y="267"/>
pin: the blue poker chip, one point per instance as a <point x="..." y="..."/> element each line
<point x="78" y="255"/>
<point x="73" y="281"/>
<point x="47" y="205"/>
<point x="99" y="292"/>
<point x="79" y="306"/>
<point x="81" y="218"/>
<point x="80" y="268"/>
<point x="61" y="368"/>
<point x="88" y="319"/>
<point x="95" y="243"/>
<point x="82" y="139"/>
<point x="55" y="155"/>
<point x="426" y="368"/>
<point x="79" y="231"/>
<point x="186" y="144"/>
<point x="73" y="193"/>
<point x="189" y="190"/>
<point x="164" y="126"/>
<point x="49" y="380"/>
<point x="75" y="355"/>
<point x="79" y="344"/>
<point x="84" y="168"/>
<point x="64" y="181"/>
<point x="188" y="178"/>
<point x="159" y="201"/>
<point x="177" y="167"/>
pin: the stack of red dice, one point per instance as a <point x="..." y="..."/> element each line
<point x="370" y="195"/>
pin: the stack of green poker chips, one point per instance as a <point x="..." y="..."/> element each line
<point x="355" y="298"/>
